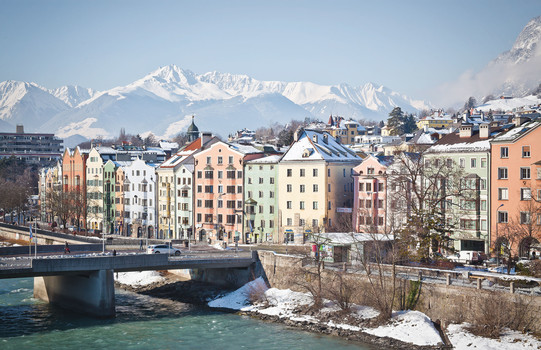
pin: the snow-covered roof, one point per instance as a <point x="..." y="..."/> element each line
<point x="168" y="145"/>
<point x="176" y="159"/>
<point x="477" y="146"/>
<point x="517" y="131"/>
<point x="318" y="145"/>
<point x="347" y="238"/>
<point x="266" y="160"/>
<point x="245" y="149"/>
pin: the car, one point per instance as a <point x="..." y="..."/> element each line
<point x="162" y="249"/>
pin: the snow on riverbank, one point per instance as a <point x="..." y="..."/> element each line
<point x="511" y="340"/>
<point x="138" y="279"/>
<point x="408" y="326"/>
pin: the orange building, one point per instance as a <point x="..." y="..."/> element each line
<point x="516" y="188"/>
<point x="74" y="180"/>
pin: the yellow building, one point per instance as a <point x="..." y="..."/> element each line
<point x="436" y="121"/>
<point x="315" y="184"/>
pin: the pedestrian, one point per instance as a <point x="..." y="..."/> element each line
<point x="67" y="248"/>
<point x="114" y="252"/>
<point x="141" y="245"/>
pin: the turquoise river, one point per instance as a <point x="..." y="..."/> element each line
<point x="142" y="322"/>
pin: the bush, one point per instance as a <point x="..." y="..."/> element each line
<point x="496" y="311"/>
<point x="535" y="268"/>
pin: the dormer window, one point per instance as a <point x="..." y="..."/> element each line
<point x="314" y="138"/>
<point x="306" y="153"/>
<point x="370" y="171"/>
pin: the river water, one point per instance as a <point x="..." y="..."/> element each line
<point x="142" y="322"/>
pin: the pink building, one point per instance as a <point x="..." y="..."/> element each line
<point x="370" y="195"/>
<point x="219" y="188"/>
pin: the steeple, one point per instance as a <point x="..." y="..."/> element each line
<point x="193" y="131"/>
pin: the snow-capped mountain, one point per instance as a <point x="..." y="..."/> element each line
<point x="28" y="104"/>
<point x="513" y="73"/>
<point x="526" y="45"/>
<point x="163" y="101"/>
<point x="72" y="95"/>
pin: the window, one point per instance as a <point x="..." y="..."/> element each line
<point x="380" y="220"/>
<point x="462" y="162"/>
<point x="525" y="217"/>
<point x="208" y="203"/>
<point x="302" y="222"/>
<point x="289" y="205"/>
<point x="239" y="189"/>
<point x="230" y="160"/>
<point x="368" y="204"/>
<point x="208" y="189"/>
<point x="271" y="194"/>
<point x="473" y="163"/>
<point x="260" y="180"/>
<point x="380" y="187"/>
<point x="361" y="186"/>
<point x="302" y="172"/>
<point x="199" y="188"/>
<point x="220" y="203"/>
<point x="503" y="193"/>
<point x="271" y="209"/>
<point x="314" y="223"/>
<point x="315" y="205"/>
<point x="260" y="194"/>
<point x="483" y="162"/>
<point x="314" y="172"/>
<point x="329" y="207"/>
<point x="525" y="173"/>
<point x="380" y="203"/>
<point x="302" y="188"/>
<point x="199" y="174"/>
<point x="260" y="209"/>
<point x="289" y="222"/>
<point x="502" y="173"/>
<point x="289" y="172"/>
<point x="539" y="195"/>
<point x="504" y="152"/>
<point x="484" y="204"/>
<point x="289" y="188"/>
<point x="329" y="187"/>
<point x="525" y="194"/>
<point x="468" y="224"/>
<point x="249" y="181"/>
<point x="271" y="180"/>
<point x="230" y="189"/>
<point x="231" y="205"/>
<point x="239" y="174"/>
<point x="483" y="184"/>
<point x="502" y="217"/>
<point x="315" y="188"/>
<point x="525" y="151"/>
<point x="301" y="205"/>
<point x="370" y="171"/>
<point x="368" y="187"/>
<point x="230" y="219"/>
<point x="209" y="159"/>
<point x="220" y="160"/>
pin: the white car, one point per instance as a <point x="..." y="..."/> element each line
<point x="162" y="249"/>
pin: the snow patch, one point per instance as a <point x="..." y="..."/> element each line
<point x="138" y="279"/>
<point x="510" y="340"/>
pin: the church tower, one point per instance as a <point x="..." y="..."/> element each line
<point x="193" y="131"/>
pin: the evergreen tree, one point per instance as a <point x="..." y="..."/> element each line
<point x="395" y="121"/>
<point x="409" y="124"/>
<point x="471" y="103"/>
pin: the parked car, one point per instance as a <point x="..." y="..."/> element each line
<point x="468" y="257"/>
<point x="162" y="249"/>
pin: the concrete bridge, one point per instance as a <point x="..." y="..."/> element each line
<point x="85" y="284"/>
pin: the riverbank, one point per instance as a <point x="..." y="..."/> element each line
<point x="406" y="330"/>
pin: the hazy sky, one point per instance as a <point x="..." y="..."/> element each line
<point x="408" y="46"/>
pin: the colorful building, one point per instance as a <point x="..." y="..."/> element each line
<point x="516" y="187"/>
<point x="315" y="185"/>
<point x="261" y="199"/>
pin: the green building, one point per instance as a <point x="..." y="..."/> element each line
<point x="261" y="199"/>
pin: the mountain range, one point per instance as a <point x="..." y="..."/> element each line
<point x="163" y="102"/>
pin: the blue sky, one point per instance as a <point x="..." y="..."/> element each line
<point x="408" y="46"/>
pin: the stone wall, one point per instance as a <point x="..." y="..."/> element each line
<point x="446" y="303"/>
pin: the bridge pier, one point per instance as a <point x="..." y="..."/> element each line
<point x="90" y="292"/>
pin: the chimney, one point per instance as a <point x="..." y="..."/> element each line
<point x="466" y="130"/>
<point x="20" y="129"/>
<point x="518" y="120"/>
<point x="484" y="131"/>
<point x="205" y="137"/>
<point x="296" y="134"/>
